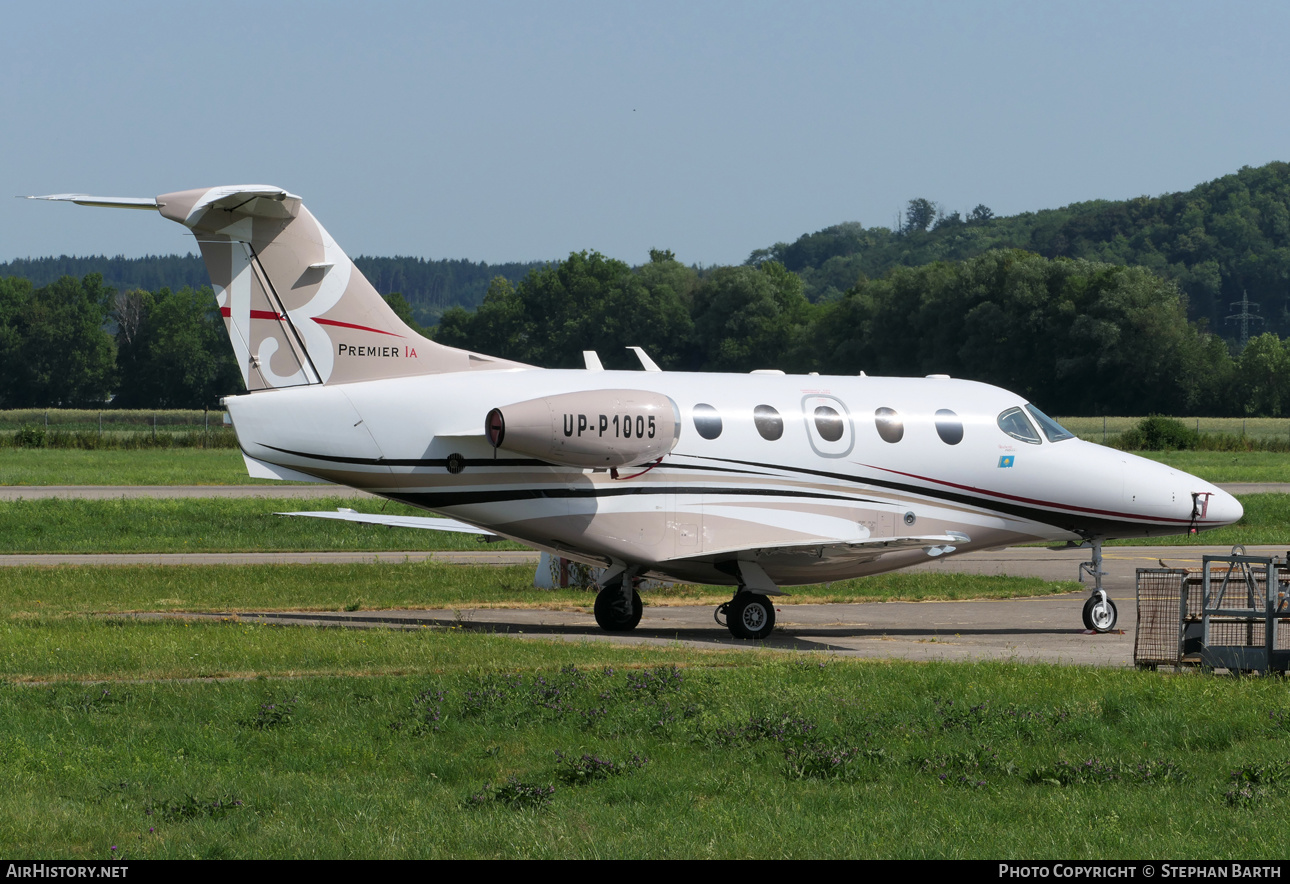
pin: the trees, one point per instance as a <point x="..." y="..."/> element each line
<point x="1263" y="376"/>
<point x="747" y="318"/>
<point x="919" y="215"/>
<point x="55" y="351"/>
<point x="1216" y="241"/>
<point x="1078" y="337"/>
<point x="173" y="351"/>
<point x="585" y="302"/>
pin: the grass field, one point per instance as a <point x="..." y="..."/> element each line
<point x="209" y="525"/>
<point x="124" y="739"/>
<point x="188" y="466"/>
<point x="440" y="743"/>
<point x="251" y="525"/>
<point x="1227" y="466"/>
<point x="168" y="466"/>
<point x="76" y="591"/>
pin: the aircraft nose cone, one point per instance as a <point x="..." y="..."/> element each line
<point x="1224" y="509"/>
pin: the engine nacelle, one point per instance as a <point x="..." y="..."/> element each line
<point x="597" y="428"/>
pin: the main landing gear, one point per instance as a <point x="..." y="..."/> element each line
<point x="1099" y="611"/>
<point x="750" y="613"/>
<point x="618" y="604"/>
<point x="747" y="615"/>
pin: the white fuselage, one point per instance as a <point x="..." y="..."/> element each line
<point x="803" y="496"/>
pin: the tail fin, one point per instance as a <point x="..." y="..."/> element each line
<point x="296" y="308"/>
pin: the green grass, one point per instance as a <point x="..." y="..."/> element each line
<point x="162" y="466"/>
<point x="666" y="753"/>
<point x="75" y="591"/>
<point x="1227" y="466"/>
<point x="47" y="466"/>
<point x="210" y="525"/>
<point x="249" y="525"/>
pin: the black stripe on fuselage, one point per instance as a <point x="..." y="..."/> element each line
<point x="443" y="498"/>
<point x="437" y="500"/>
<point x="468" y="462"/>
<point x="1068" y="521"/>
<point x="1087" y="522"/>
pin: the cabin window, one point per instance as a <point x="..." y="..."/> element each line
<point x="1014" y="423"/>
<point x="1053" y="430"/>
<point x="890" y="427"/>
<point x="829" y="423"/>
<point x="769" y="424"/>
<point x="949" y="427"/>
<point x="707" y="421"/>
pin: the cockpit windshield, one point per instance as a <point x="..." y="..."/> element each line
<point x="1014" y="423"/>
<point x="1053" y="430"/>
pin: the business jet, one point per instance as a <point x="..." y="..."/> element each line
<point x="756" y="481"/>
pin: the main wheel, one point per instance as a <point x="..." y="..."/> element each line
<point x="609" y="612"/>
<point x="1099" y="616"/>
<point x="750" y="616"/>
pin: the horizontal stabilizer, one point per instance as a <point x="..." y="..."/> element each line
<point x="108" y="202"/>
<point x="425" y="523"/>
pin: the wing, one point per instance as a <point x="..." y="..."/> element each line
<point x="854" y="550"/>
<point x="749" y="561"/>
<point x="425" y="523"/>
<point x="871" y="548"/>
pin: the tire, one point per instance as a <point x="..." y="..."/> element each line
<point x="1099" y="617"/>
<point x="609" y="615"/>
<point x="751" y="616"/>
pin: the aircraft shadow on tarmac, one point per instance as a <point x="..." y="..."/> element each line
<point x="789" y="638"/>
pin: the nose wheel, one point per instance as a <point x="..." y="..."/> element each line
<point x="1099" y="613"/>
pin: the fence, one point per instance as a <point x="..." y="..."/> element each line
<point x="115" y="428"/>
<point x="1106" y="430"/>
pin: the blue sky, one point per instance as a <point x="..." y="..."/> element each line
<point x="507" y="131"/>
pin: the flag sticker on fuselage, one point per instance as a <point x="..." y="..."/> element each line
<point x="1006" y="461"/>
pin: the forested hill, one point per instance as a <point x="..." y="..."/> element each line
<point x="429" y="286"/>
<point x="1218" y="241"/>
<point x="123" y="274"/>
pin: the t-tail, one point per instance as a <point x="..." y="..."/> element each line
<point x="295" y="307"/>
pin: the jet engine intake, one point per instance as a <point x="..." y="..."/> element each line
<point x="595" y="428"/>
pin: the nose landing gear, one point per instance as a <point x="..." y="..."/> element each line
<point x="1099" y="613"/>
